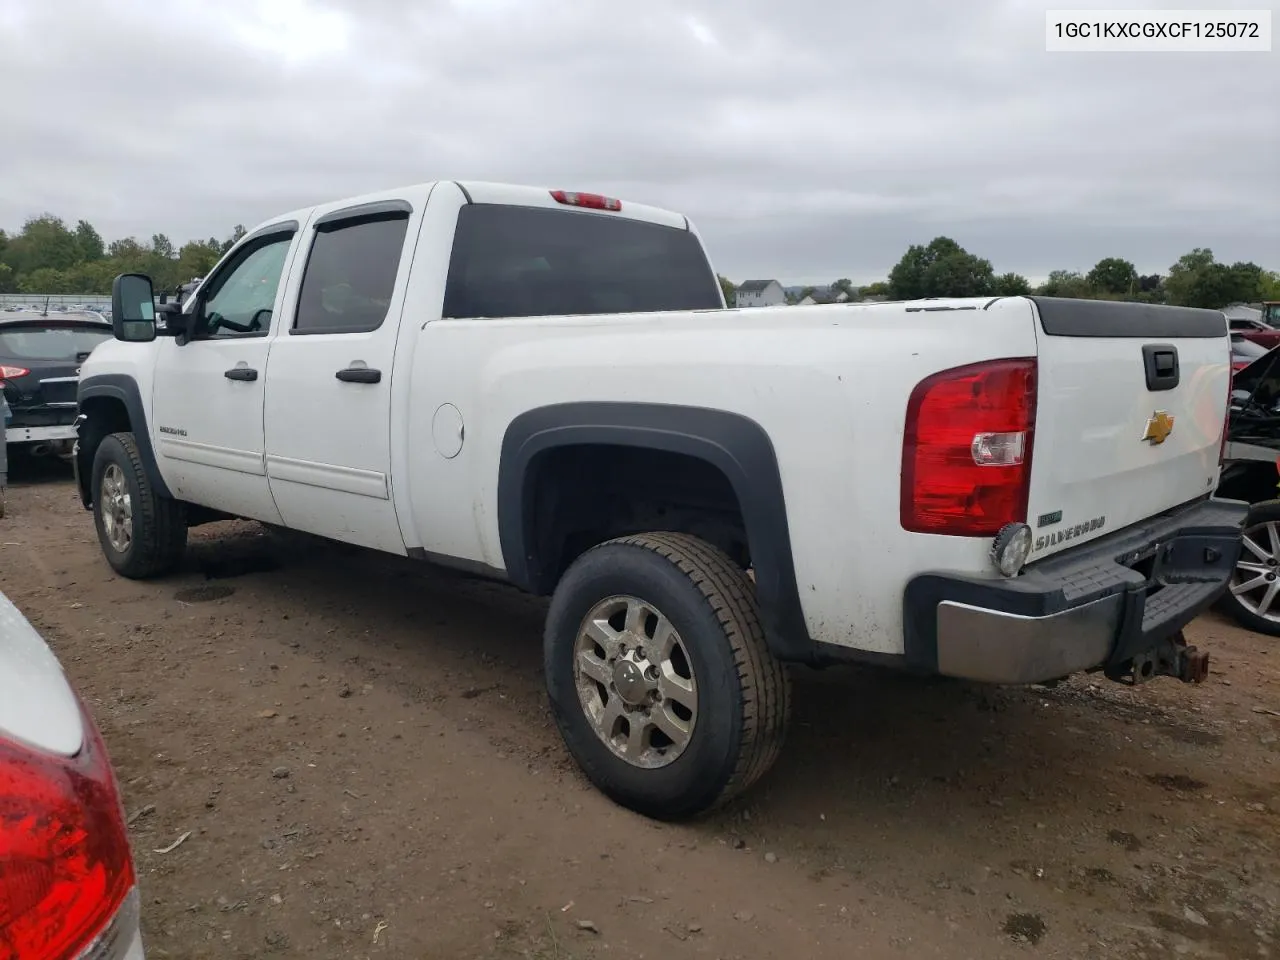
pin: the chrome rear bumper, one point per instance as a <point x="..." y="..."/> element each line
<point x="1115" y="603"/>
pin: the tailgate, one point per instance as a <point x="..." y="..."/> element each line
<point x="1131" y="404"/>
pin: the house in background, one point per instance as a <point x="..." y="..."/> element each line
<point x="760" y="293"/>
<point x="824" y="296"/>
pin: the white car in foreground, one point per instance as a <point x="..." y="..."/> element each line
<point x="67" y="884"/>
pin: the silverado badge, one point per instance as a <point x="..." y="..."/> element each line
<point x="1158" y="428"/>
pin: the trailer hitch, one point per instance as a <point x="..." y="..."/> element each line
<point x="1172" y="657"/>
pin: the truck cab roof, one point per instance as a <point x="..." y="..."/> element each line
<point x="480" y="191"/>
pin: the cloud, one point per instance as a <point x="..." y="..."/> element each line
<point x="808" y="140"/>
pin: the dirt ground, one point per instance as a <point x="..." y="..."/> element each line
<point x="358" y="752"/>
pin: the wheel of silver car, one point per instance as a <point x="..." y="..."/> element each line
<point x="116" y="508"/>
<point x="635" y="681"/>
<point x="1253" y="596"/>
<point x="659" y="676"/>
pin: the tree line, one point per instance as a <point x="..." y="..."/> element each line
<point x="48" y="256"/>
<point x="943" y="268"/>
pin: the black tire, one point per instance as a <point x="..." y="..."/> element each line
<point x="743" y="691"/>
<point x="1266" y="512"/>
<point x="159" y="523"/>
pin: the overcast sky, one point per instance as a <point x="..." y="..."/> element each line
<point x="809" y="139"/>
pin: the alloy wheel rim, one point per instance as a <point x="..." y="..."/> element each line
<point x="1255" y="582"/>
<point x="635" y="682"/>
<point x="116" y="508"/>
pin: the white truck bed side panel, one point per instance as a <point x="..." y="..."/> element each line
<point x="833" y="400"/>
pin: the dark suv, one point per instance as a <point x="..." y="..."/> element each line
<point x="40" y="359"/>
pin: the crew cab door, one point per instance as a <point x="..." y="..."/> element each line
<point x="207" y="398"/>
<point x="328" y="398"/>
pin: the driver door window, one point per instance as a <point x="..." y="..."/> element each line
<point x="240" y="301"/>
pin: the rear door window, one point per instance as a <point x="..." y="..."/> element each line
<point x="511" y="261"/>
<point x="351" y="275"/>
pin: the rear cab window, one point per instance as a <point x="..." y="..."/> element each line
<point x="512" y="261"/>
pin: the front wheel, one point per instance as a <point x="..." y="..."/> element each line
<point x="659" y="677"/>
<point x="142" y="534"/>
<point x="1253" y="596"/>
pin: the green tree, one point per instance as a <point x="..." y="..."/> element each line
<point x="1199" y="280"/>
<point x="90" y="277"/>
<point x="128" y="255"/>
<point x="162" y="247"/>
<point x="1066" y="283"/>
<point x="126" y="248"/>
<point x="943" y="268"/>
<point x="43" y="280"/>
<point x="1012" y="285"/>
<point x="236" y="234"/>
<point x="1113" y="275"/>
<point x="45" y="242"/>
<point x="1187" y="278"/>
<point x="727" y="287"/>
<point x="1249" y="281"/>
<point x="198" y="257"/>
<point x="878" y="289"/>
<point x="7" y="283"/>
<point x="89" y="245"/>
<point x="844" y="285"/>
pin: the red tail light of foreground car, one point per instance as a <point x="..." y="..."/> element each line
<point x="67" y="886"/>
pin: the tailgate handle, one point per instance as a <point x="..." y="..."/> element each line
<point x="1161" y="363"/>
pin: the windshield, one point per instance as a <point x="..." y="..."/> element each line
<point x="511" y="261"/>
<point x="67" y="342"/>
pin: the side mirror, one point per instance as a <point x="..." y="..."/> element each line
<point x="133" y="308"/>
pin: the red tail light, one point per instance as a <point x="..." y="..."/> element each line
<point x="12" y="373"/>
<point x="65" y="866"/>
<point x="966" y="451"/>
<point x="592" y="201"/>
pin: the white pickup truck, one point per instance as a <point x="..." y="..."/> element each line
<point x="545" y="387"/>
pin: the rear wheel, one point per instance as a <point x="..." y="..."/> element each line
<point x="659" y="676"/>
<point x="142" y="534"/>
<point x="1253" y="597"/>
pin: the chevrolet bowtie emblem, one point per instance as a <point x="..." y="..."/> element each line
<point x="1158" y="428"/>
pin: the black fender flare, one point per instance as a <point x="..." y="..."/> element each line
<point x="117" y="386"/>
<point x="735" y="445"/>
